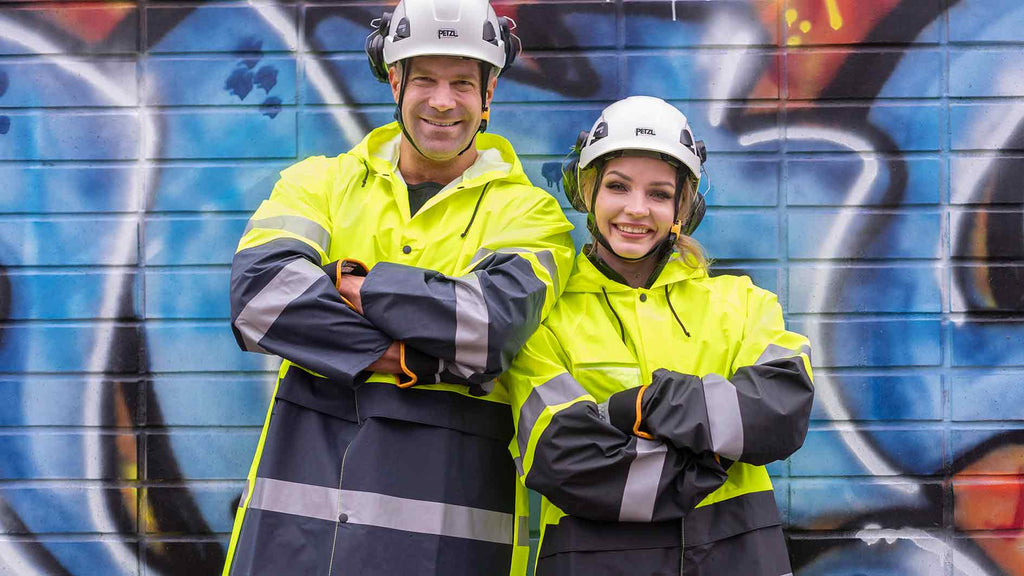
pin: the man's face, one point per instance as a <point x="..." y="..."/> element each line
<point x="442" y="105"/>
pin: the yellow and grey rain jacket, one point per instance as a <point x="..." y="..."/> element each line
<point x="364" y="474"/>
<point x="636" y="408"/>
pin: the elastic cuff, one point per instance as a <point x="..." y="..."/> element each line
<point x="622" y="412"/>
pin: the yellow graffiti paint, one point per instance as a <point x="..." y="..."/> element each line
<point x="791" y="16"/>
<point x="835" y="19"/>
<point x="794" y="41"/>
<point x="805" y="26"/>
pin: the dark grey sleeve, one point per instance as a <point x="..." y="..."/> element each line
<point x="474" y="323"/>
<point x="284" y="304"/>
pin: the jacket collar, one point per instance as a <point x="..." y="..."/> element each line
<point x="587" y="277"/>
<point x="496" y="158"/>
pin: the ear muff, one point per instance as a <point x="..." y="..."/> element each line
<point x="513" y="46"/>
<point x="570" y="173"/>
<point x="374" y="47"/>
<point x="696" y="214"/>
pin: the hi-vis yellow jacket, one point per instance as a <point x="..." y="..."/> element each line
<point x="359" y="473"/>
<point x="637" y="407"/>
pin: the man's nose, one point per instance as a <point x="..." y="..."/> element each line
<point x="442" y="98"/>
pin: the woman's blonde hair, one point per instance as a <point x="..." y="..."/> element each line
<point x="690" y="250"/>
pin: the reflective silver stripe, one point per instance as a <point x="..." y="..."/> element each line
<point x="245" y="493"/>
<point x="424" y="517"/>
<point x="724" y="415"/>
<point x="294" y="498"/>
<point x="470" y="323"/>
<point x="559" y="390"/>
<point x="642" y="481"/>
<point x="260" y="313"/>
<point x="369" y="509"/>
<point x="545" y="257"/>
<point x="518" y="461"/>
<point x="776" y="352"/>
<point x="297" y="225"/>
<point x="524" y="531"/>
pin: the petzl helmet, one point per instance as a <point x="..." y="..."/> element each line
<point x="461" y="28"/>
<point x="646" y="125"/>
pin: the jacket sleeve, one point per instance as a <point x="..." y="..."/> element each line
<point x="475" y="322"/>
<point x="565" y="449"/>
<point x="758" y="415"/>
<point x="282" y="302"/>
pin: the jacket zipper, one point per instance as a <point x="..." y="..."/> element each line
<point x="341" y="474"/>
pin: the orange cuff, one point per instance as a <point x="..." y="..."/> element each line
<point x="636" y="425"/>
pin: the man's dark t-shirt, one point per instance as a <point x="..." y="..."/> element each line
<point x="420" y="193"/>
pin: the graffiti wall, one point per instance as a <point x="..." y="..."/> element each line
<point x="866" y="161"/>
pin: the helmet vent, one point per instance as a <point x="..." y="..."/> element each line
<point x="402" y="30"/>
<point x="600" y="132"/>
<point x="686" y="139"/>
<point x="489" y="34"/>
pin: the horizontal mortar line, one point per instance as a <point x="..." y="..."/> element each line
<point x="849" y="426"/>
<point x="151" y="108"/>
<point x="109" y="537"/>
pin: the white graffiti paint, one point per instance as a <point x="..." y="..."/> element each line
<point x="963" y="564"/>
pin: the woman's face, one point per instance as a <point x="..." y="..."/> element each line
<point x="635" y="202"/>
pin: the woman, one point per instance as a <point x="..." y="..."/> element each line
<point x="648" y="402"/>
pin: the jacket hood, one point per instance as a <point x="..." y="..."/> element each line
<point x="497" y="159"/>
<point x="587" y="278"/>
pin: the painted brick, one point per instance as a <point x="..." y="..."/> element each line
<point x="188" y="294"/>
<point x="909" y="127"/>
<point x="985" y="180"/>
<point x="987" y="452"/>
<point x="214" y="188"/>
<point x="985" y="504"/>
<point x="704" y="75"/>
<point x="896" y="342"/>
<point x="69" y="242"/>
<point x="986" y="125"/>
<point x="877" y="397"/>
<point x="90" y="556"/>
<point x="971" y="21"/>
<point x="991" y="288"/>
<point x="68" y="401"/>
<point x="897" y="290"/>
<point x="191" y="509"/>
<point x="256" y="133"/>
<point x="200" y="347"/>
<point x="81" y="83"/>
<point x="782" y="499"/>
<point x="543" y="129"/>
<point x="341" y="28"/>
<point x="726" y="234"/>
<point x="580" y="79"/>
<point x="894" y="23"/>
<point x="828" y="452"/>
<point x="993" y="343"/>
<point x="920" y="80"/>
<point x="94" y="29"/>
<point x="223" y="81"/>
<point x="872" y="551"/>
<point x="64" y="348"/>
<point x="211" y="240"/>
<point x="177" y="399"/>
<point x="708" y="120"/>
<point x="562" y="25"/>
<point x="67" y="509"/>
<point x="987" y="234"/>
<point x="200" y="455"/>
<point x="828" y="234"/>
<point x="195" y="556"/>
<point x="368" y="91"/>
<point x="32" y="295"/>
<point x="243" y="29"/>
<point x="812" y="500"/>
<point x="684" y="23"/>
<point x="59" y="456"/>
<point x="764" y="277"/>
<point x="69" y="136"/>
<point x="324" y="133"/>
<point x="55" y="189"/>
<point x="729" y="179"/>
<point x="831" y="181"/>
<point x="971" y="73"/>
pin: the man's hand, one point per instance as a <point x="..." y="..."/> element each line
<point x="349" y="286"/>
<point x="390" y="362"/>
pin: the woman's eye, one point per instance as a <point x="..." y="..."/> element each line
<point x="617" y="186"/>
<point x="661" y="195"/>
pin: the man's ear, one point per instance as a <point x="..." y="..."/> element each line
<point x="395" y="79"/>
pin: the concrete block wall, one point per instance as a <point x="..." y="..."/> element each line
<point x="865" y="163"/>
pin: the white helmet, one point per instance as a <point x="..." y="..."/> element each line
<point x="643" y="123"/>
<point x="464" y="28"/>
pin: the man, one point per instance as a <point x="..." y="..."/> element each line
<point x="397" y="281"/>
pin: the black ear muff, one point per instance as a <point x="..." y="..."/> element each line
<point x="696" y="214"/>
<point x="374" y="47"/>
<point x="570" y="173"/>
<point x="702" y="151"/>
<point x="513" y="46"/>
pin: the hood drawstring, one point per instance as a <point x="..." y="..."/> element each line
<point x="681" y="325"/>
<point x="366" y="172"/>
<point x="622" y="329"/>
<point x="475" y="208"/>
